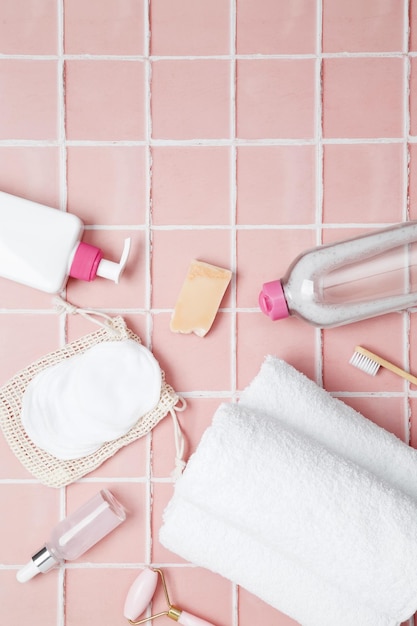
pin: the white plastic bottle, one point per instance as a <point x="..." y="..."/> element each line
<point x="348" y="281"/>
<point x="41" y="247"/>
<point x="76" y="534"/>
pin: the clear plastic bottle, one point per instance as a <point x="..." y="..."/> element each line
<point x="349" y="280"/>
<point x="76" y="534"/>
<point x="41" y="247"/>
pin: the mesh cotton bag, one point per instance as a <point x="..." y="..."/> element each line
<point x="56" y="472"/>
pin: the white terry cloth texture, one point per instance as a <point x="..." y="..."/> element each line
<point x="71" y="409"/>
<point x="270" y="502"/>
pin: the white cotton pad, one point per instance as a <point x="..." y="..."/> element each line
<point x="133" y="393"/>
<point x="72" y="408"/>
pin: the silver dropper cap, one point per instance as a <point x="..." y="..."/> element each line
<point x="41" y="562"/>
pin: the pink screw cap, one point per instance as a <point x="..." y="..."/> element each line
<point x="86" y="261"/>
<point x="272" y="300"/>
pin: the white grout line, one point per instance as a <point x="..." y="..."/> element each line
<point x="405" y="209"/>
<point x="233" y="193"/>
<point x="148" y="261"/>
<point x="319" y="167"/>
<point x="233" y="235"/>
<point x="203" y="142"/>
<point x="217" y="57"/>
<point x="62" y="206"/>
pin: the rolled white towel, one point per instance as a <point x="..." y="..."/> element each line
<point x="312" y="532"/>
<point x="284" y="393"/>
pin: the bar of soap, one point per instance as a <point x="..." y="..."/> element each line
<point x="199" y="298"/>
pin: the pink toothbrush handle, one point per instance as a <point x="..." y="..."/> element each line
<point x="186" y="619"/>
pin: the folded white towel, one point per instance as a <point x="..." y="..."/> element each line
<point x="283" y="392"/>
<point x="312" y="532"/>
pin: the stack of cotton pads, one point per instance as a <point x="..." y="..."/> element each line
<point x="71" y="409"/>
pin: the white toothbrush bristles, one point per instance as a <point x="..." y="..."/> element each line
<point x="365" y="363"/>
<point x="370" y="363"/>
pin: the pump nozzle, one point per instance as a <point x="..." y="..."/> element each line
<point x="112" y="270"/>
<point x="88" y="263"/>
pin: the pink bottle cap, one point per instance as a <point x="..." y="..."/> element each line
<point x="86" y="261"/>
<point x="272" y="300"/>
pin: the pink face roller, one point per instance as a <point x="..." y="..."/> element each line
<point x="140" y="595"/>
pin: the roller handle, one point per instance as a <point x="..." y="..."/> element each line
<point x="186" y="619"/>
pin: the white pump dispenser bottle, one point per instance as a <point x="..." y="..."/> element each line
<point x="41" y="247"/>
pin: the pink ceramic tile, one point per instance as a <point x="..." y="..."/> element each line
<point x="382" y="335"/>
<point x="276" y="27"/>
<point x="31" y="173"/>
<point x="97" y="596"/>
<point x="191" y="185"/>
<point x="190" y="99"/>
<point x="413" y="96"/>
<point x="24" y="338"/>
<point x="138" y="323"/>
<point x="386" y="412"/>
<point x="129" y="462"/>
<point x="193" y="421"/>
<point x="29" y="513"/>
<point x="131" y="290"/>
<point x="105" y="100"/>
<point x="126" y="543"/>
<point x="413" y="25"/>
<point x="172" y="252"/>
<point x="78" y="326"/>
<point x="413" y="181"/>
<point x="292" y="340"/>
<point x="198" y="591"/>
<point x="30" y="109"/>
<point x="119" y="30"/>
<point x="331" y="235"/>
<point x="17" y="296"/>
<point x="265" y="255"/>
<point x="190" y="27"/>
<point x="276" y="185"/>
<point x="109" y="178"/>
<point x="29" y="28"/>
<point x="363" y="97"/>
<point x="363" y="183"/>
<point x="161" y="495"/>
<point x="275" y="98"/>
<point x="194" y="363"/>
<point x="107" y="184"/>
<point x="357" y="26"/>
<point x="33" y="603"/>
<point x="254" y="611"/>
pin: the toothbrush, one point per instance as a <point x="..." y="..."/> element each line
<point x="370" y="363"/>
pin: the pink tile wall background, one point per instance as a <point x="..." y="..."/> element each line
<point x="239" y="132"/>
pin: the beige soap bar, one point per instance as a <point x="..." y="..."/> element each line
<point x="199" y="298"/>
